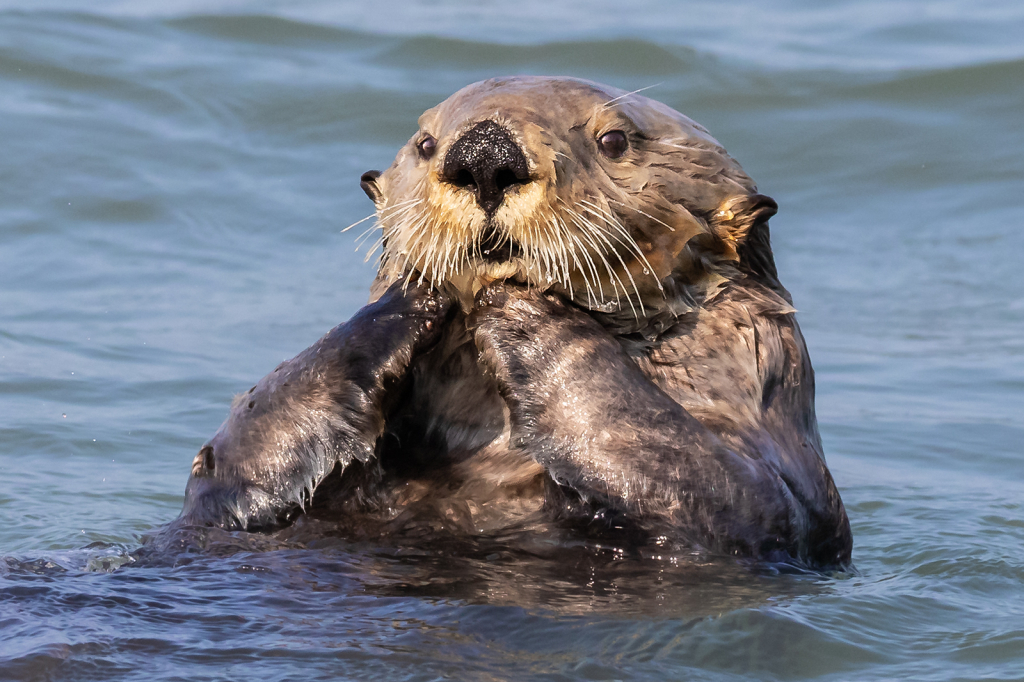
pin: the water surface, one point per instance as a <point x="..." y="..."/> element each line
<point x="173" y="184"/>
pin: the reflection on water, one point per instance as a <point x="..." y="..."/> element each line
<point x="412" y="612"/>
<point x="527" y="568"/>
<point x="198" y="597"/>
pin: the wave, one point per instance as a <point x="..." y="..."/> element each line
<point x="82" y="51"/>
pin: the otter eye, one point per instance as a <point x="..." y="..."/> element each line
<point x="427" y="146"/>
<point x="613" y="144"/>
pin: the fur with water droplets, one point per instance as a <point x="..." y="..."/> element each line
<point x="622" y="359"/>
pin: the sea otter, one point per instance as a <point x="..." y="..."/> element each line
<point x="577" y="315"/>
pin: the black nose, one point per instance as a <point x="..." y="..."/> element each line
<point x="487" y="161"/>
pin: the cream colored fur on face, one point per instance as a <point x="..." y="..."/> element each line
<point x="606" y="233"/>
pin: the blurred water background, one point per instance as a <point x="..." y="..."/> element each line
<point x="174" y="177"/>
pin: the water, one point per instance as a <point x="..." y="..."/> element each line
<point x="173" y="183"/>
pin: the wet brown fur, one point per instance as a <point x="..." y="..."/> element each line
<point x="635" y="366"/>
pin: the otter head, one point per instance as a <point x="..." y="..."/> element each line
<point x="601" y="195"/>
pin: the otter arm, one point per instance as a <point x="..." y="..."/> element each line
<point x="582" y="408"/>
<point x="323" y="408"/>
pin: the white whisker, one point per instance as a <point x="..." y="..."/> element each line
<point x="376" y="245"/>
<point x="589" y="228"/>
<point x="627" y="94"/>
<point x="593" y="270"/>
<point x="595" y="230"/>
<point x="360" y="222"/>
<point x="630" y="241"/>
<point x="643" y="213"/>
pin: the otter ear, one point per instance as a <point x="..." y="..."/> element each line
<point x="742" y="225"/>
<point x="368" y="181"/>
<point x="737" y="216"/>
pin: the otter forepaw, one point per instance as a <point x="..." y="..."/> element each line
<point x="541" y="349"/>
<point x="323" y="408"/>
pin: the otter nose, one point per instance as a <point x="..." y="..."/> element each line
<point x="487" y="161"/>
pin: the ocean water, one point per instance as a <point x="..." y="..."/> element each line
<point x="174" y="179"/>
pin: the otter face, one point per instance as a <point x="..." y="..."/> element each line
<point x="559" y="184"/>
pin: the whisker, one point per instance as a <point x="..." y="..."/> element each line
<point x="576" y="263"/>
<point x="391" y="207"/>
<point x="631" y="242"/>
<point x="566" y="277"/>
<point x="597" y="231"/>
<point x="593" y="270"/>
<point x="408" y="202"/>
<point x="589" y="228"/>
<point x="401" y="209"/>
<point x="585" y="233"/>
<point x="430" y="255"/>
<point x="451" y="259"/>
<point x="410" y="248"/>
<point x="643" y="213"/>
<point x="376" y="245"/>
<point x="618" y="256"/>
<point x="545" y="252"/>
<point x="590" y="264"/>
<point x="365" y="233"/>
<point x="360" y="222"/>
<point x="627" y="94"/>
